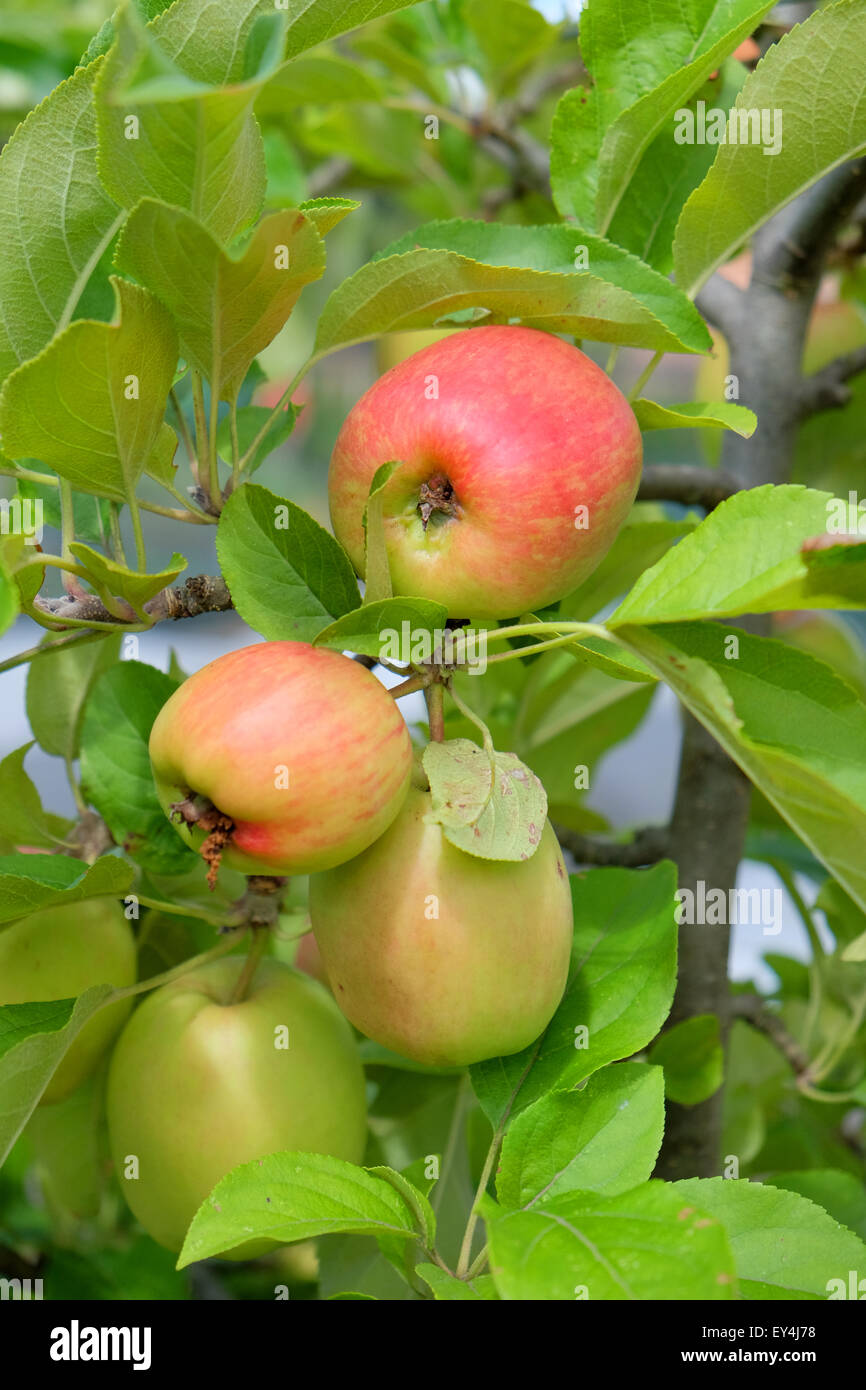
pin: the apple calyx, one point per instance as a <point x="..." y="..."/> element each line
<point x="218" y="828"/>
<point x="437" y="495"/>
<point x="260" y="906"/>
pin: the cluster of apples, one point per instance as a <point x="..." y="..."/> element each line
<point x="281" y="758"/>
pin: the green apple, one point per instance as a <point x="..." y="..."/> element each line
<point x="440" y="956"/>
<point x="60" y="952"/>
<point x="300" y="749"/>
<point x="198" y="1085"/>
<point x="520" y="461"/>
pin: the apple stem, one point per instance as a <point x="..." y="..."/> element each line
<point x="178" y="971"/>
<point x="408" y="686"/>
<point x="245" y="978"/>
<point x="434" y="694"/>
<point x="645" y="376"/>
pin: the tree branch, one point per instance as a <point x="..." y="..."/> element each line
<point x="789" y="254"/>
<point x="649" y="845"/>
<point x="751" y="1008"/>
<point x="692" y="486"/>
<point x="722" y="303"/>
<point x="791" y="248"/>
<point x="708" y="830"/>
<point x="201" y="593"/>
<point x="826" y="390"/>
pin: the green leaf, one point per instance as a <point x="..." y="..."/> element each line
<point x="115" y="767"/>
<point x="293" y="1196"/>
<point x="251" y="421"/>
<point x="55" y="218"/>
<point x="796" y="730"/>
<point x="618" y="995"/>
<point x="638" y="1245"/>
<point x="834" y="569"/>
<point x="846" y="921"/>
<point x="513" y="273"/>
<point x="446" y="1288"/>
<point x="132" y="585"/>
<point x="21" y="573"/>
<point x="416" y="1201"/>
<point x="321" y="79"/>
<point x="569" y="727"/>
<point x="751" y="555"/>
<point x="58" y="684"/>
<point x="603" y="1138"/>
<point x="377" y="584"/>
<point x="29" y="882"/>
<point x="22" y="819"/>
<point x="492" y="813"/>
<point x="92" y="403"/>
<point x="840" y="1194"/>
<point x="33" y="1041"/>
<point x="175" y="113"/>
<point x="227" y="308"/>
<point x="325" y="213"/>
<point x="377" y="629"/>
<point x="288" y="577"/>
<point x="403" y="49"/>
<point x="90" y="513"/>
<point x="695" y="414"/>
<point x="10" y="600"/>
<point x="647" y="215"/>
<point x="510" y="35"/>
<point x="630" y="52"/>
<point x="603" y="654"/>
<point x="646" y="536"/>
<point x="311" y="22"/>
<point x="628" y="137"/>
<point x="801" y="79"/>
<point x="692" y="1057"/>
<point x="784" y="1245"/>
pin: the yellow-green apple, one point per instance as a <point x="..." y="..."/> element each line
<point x="519" y="462"/>
<point x="309" y="959"/>
<point x="199" y="1084"/>
<point x="393" y="348"/>
<point x="281" y="758"/>
<point x="60" y="952"/>
<point x="438" y="955"/>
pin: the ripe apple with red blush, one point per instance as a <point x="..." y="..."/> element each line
<point x="520" y="460"/>
<point x="281" y="758"/>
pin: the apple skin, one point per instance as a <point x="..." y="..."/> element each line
<point x="196" y="1086"/>
<point x="393" y="348"/>
<point x="482" y="980"/>
<point x="309" y="960"/>
<point x="226" y="732"/>
<point x="526" y="428"/>
<point x="60" y="952"/>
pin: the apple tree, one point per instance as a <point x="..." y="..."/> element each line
<point x="336" y="971"/>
